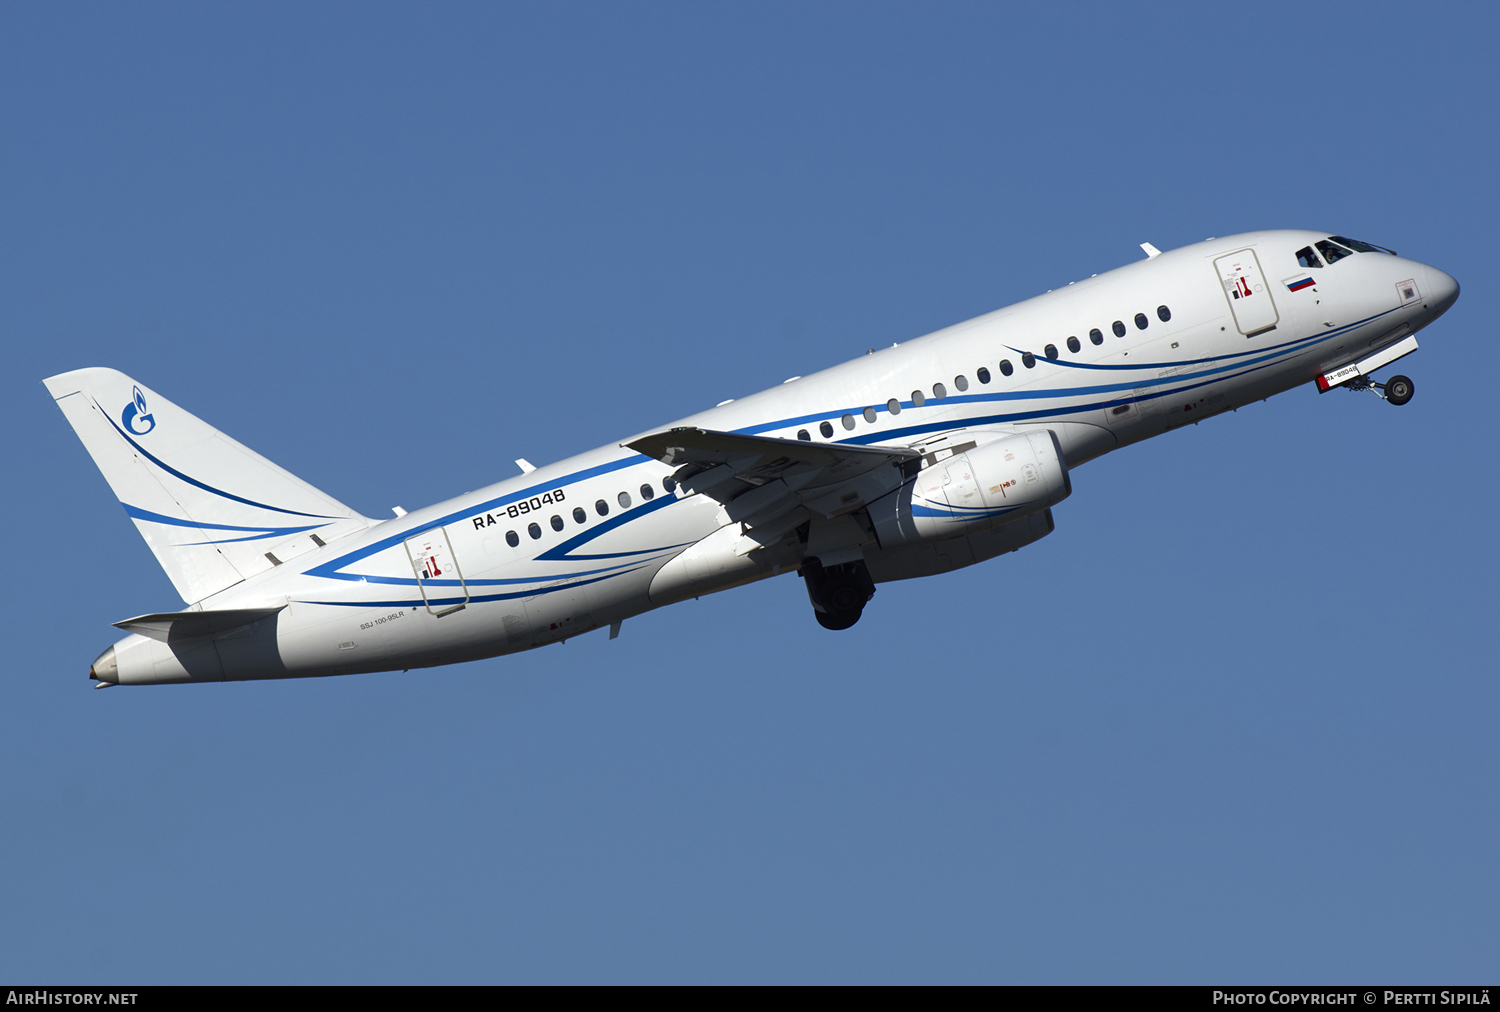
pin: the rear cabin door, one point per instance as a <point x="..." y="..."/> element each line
<point x="437" y="572"/>
<point x="1248" y="294"/>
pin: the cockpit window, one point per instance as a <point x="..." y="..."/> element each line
<point x="1332" y="252"/>
<point x="1361" y="247"/>
<point x="1307" y="258"/>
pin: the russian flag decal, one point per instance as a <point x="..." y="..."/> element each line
<point x="1297" y="286"/>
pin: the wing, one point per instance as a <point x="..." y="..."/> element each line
<point x="774" y="485"/>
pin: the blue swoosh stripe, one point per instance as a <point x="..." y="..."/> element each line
<point x="408" y="581"/>
<point x="953" y="513"/>
<point x="198" y="484"/>
<point x="331" y="569"/>
<point x="934" y="504"/>
<point x="135" y="512"/>
<point x="562" y="552"/>
<point x="1050" y="412"/>
<point x="1256" y="354"/>
<point x="473" y="599"/>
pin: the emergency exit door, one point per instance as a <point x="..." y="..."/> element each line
<point x="1248" y="294"/>
<point x="437" y="572"/>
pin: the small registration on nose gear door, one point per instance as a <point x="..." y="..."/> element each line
<point x="1248" y="294"/>
<point x="436" y="569"/>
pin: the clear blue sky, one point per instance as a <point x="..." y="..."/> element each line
<point x="1233" y="722"/>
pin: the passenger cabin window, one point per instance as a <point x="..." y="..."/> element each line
<point x="579" y="516"/>
<point x="848" y="421"/>
<point x="939" y="391"/>
<point x="826" y="429"/>
<point x="1163" y="313"/>
<point x="557" y="522"/>
<point x="1141" y="322"/>
<point x="1050" y="351"/>
<point x="1005" y="367"/>
<point x="918" y="398"/>
<point x="1028" y="360"/>
<point x="512" y="538"/>
<point x="869" y="414"/>
<point x="1119" y="328"/>
<point x="624" y="500"/>
<point x="1096" y="336"/>
<point x="1074" y="346"/>
<point x="669" y="484"/>
<point x="893" y="406"/>
<point x="802" y="434"/>
<point x="648" y="493"/>
<point x="962" y="382"/>
<point x="534" y="531"/>
<point x="601" y="507"/>
<point x="983" y="375"/>
<point x="1307" y="258"/>
<point x="1332" y="252"/>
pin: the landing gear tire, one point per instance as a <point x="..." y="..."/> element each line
<point x="1398" y="390"/>
<point x="838" y="593"/>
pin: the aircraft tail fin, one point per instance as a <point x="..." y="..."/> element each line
<point x="214" y="512"/>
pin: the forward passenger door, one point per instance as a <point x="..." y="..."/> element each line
<point x="1249" y="296"/>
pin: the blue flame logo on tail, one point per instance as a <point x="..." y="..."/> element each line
<point x="135" y="412"/>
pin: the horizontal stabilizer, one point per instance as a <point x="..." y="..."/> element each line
<point x="213" y="511"/>
<point x="171" y="625"/>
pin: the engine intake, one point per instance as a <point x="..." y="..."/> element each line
<point x="985" y="487"/>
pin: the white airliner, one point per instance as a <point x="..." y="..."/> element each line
<point x="910" y="461"/>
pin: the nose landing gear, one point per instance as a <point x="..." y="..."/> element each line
<point x="1397" y="390"/>
<point x="838" y="593"/>
<point x="1356" y="375"/>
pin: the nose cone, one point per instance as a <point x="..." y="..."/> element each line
<point x="1442" y="291"/>
<point x="105" y="668"/>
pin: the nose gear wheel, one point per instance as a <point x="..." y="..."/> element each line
<point x="1397" y="390"/>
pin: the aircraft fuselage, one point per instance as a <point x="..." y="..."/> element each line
<point x="590" y="541"/>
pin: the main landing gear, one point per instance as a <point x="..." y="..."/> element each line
<point x="1397" y="390"/>
<point x="838" y="593"/>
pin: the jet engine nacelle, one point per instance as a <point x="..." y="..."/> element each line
<point x="984" y="487"/>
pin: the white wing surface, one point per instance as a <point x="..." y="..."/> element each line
<point x="771" y="486"/>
